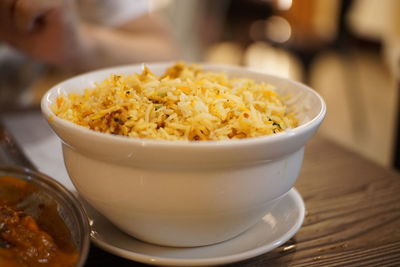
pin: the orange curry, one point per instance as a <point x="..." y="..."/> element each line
<point x="25" y="241"/>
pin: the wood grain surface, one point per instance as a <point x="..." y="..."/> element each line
<point x="353" y="215"/>
<point x="352" y="219"/>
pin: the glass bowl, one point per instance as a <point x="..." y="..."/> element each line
<point x="57" y="211"/>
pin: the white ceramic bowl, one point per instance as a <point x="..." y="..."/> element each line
<point x="178" y="193"/>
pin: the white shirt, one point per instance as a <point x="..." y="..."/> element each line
<point x="111" y="13"/>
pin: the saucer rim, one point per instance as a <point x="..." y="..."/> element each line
<point x="163" y="261"/>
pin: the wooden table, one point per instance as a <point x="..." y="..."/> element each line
<point x="353" y="215"/>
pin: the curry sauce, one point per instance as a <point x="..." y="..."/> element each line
<point x="28" y="241"/>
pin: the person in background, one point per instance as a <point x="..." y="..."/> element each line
<point x="81" y="35"/>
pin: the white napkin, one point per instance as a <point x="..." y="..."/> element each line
<point x="39" y="143"/>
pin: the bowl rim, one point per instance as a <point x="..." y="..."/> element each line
<point x="54" y="119"/>
<point x="69" y="196"/>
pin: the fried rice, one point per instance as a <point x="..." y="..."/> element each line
<point x="185" y="103"/>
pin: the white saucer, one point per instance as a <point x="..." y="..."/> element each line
<point x="273" y="230"/>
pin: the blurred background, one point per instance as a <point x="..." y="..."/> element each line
<point x="347" y="50"/>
